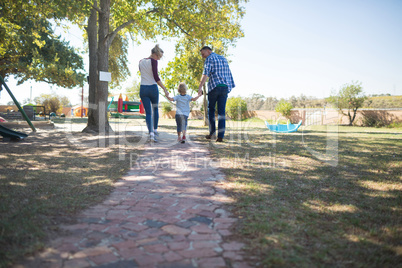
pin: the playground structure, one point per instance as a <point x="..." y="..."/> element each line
<point x="126" y="109"/>
<point x="8" y="133"/>
<point x="283" y="128"/>
<point x="79" y="111"/>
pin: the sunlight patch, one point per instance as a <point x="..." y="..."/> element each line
<point x="323" y="207"/>
<point x="18" y="184"/>
<point x="381" y="186"/>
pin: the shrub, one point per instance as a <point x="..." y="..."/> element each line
<point x="284" y="108"/>
<point x="166" y="108"/>
<point x="236" y="107"/>
<point x="375" y="118"/>
<point x="395" y="125"/>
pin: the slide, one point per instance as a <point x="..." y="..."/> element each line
<point x="11" y="134"/>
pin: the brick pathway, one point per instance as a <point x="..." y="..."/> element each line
<point x="166" y="212"/>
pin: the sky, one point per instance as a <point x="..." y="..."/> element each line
<point x="291" y="47"/>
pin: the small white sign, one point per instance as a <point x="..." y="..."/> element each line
<point x="105" y="76"/>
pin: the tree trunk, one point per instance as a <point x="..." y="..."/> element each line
<point x="354" y="116"/>
<point x="98" y="61"/>
<point x="350" y="118"/>
<point x="103" y="65"/>
<point x="93" y="112"/>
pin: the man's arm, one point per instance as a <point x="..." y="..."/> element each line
<point x="202" y="82"/>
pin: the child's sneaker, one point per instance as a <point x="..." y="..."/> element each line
<point x="183" y="140"/>
<point x="179" y="139"/>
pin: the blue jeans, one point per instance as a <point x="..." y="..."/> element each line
<point x="181" y="122"/>
<point x="218" y="96"/>
<point x="150" y="99"/>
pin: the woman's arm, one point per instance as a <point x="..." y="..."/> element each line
<point x="162" y="86"/>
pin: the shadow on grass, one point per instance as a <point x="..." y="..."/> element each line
<point x="300" y="211"/>
<point x="44" y="181"/>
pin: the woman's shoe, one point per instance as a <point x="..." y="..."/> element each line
<point x="209" y="137"/>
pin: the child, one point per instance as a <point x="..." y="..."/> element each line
<point x="182" y="110"/>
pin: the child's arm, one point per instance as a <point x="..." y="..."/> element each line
<point x="169" y="98"/>
<point x="195" y="98"/>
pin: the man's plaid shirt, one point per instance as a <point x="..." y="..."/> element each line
<point x="217" y="69"/>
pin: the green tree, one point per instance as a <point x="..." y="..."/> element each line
<point x="219" y="28"/>
<point x="103" y="20"/>
<point x="284" y="108"/>
<point x="29" y="48"/>
<point x="236" y="107"/>
<point x="350" y="98"/>
<point x="133" y="92"/>
<point x="147" y="19"/>
<point x="52" y="102"/>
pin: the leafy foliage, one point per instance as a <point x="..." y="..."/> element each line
<point x="213" y="23"/>
<point x="166" y="107"/>
<point x="52" y="102"/>
<point x="118" y="62"/>
<point x="236" y="107"/>
<point x="30" y="50"/>
<point x="284" y="108"/>
<point x="133" y="92"/>
<point x="350" y="97"/>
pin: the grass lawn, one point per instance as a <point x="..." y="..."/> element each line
<point x="298" y="210"/>
<point x="318" y="197"/>
<point x="46" y="179"/>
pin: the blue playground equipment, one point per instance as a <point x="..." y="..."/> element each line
<point x="283" y="128"/>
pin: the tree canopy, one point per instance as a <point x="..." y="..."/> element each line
<point x="30" y="49"/>
<point x="219" y="28"/>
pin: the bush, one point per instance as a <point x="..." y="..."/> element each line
<point x="236" y="107"/>
<point x="395" y="125"/>
<point x="166" y="108"/>
<point x="284" y="108"/>
<point x="375" y="119"/>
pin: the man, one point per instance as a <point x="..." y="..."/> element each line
<point x="220" y="84"/>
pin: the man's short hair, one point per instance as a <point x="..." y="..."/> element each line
<point x="205" y="47"/>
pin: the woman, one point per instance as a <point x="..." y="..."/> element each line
<point x="149" y="92"/>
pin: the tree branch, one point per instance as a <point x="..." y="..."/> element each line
<point x="174" y="22"/>
<point x="94" y="6"/>
<point x="109" y="38"/>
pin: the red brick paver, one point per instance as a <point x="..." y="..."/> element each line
<point x="168" y="211"/>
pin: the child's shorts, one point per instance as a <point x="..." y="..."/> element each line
<point x="181" y="121"/>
